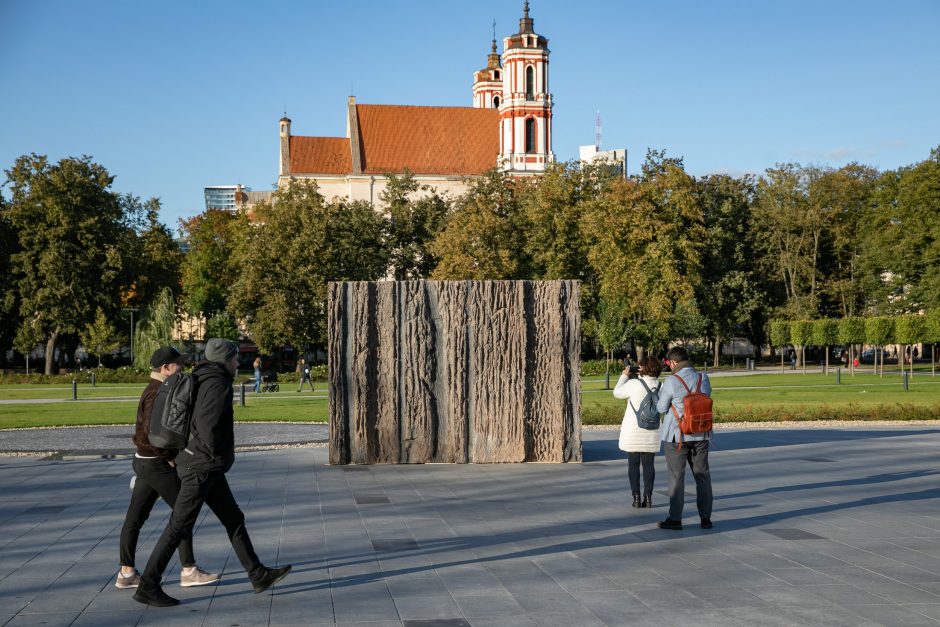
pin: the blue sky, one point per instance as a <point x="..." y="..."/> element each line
<point x="174" y="95"/>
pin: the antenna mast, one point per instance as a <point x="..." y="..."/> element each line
<point x="597" y="131"/>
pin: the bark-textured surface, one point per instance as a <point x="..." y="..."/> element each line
<point x="454" y="371"/>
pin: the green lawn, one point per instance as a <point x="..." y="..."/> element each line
<point x="790" y="396"/>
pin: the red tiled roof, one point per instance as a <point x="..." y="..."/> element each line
<point x="428" y="140"/>
<point x="320" y="155"/>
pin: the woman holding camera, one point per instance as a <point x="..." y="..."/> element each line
<point x="641" y="445"/>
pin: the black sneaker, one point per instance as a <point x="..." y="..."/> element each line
<point x="270" y="577"/>
<point x="154" y="596"/>
<point x="706" y="523"/>
<point x="669" y="523"/>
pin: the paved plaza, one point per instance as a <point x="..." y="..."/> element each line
<point x="812" y="527"/>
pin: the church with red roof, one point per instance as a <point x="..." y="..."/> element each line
<point x="509" y="126"/>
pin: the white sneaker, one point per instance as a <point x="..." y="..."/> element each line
<point x="198" y="577"/>
<point x="127" y="581"/>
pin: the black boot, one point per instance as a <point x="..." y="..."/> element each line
<point x="269" y="577"/>
<point x="647" y="500"/>
<point x="636" y="499"/>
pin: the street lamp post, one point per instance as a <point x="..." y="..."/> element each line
<point x="131" y="310"/>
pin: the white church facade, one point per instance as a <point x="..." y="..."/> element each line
<point x="509" y="126"/>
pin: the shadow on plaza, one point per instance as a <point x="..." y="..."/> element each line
<point x="607" y="450"/>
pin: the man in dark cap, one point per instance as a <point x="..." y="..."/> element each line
<point x="202" y="466"/>
<point x="155" y="476"/>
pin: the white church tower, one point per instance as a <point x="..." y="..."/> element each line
<point x="488" y="82"/>
<point x="525" y="109"/>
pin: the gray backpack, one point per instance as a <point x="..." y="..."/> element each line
<point x="647" y="416"/>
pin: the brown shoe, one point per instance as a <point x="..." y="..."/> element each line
<point x="198" y="577"/>
<point x="127" y="581"/>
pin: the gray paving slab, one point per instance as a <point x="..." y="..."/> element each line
<point x="851" y="541"/>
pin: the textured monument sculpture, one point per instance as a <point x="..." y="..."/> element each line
<point x="454" y="372"/>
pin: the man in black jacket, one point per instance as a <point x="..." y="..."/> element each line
<point x="202" y="466"/>
<point x="155" y="477"/>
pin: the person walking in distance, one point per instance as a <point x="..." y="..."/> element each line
<point x="681" y="449"/>
<point x="202" y="465"/>
<point x="640" y="444"/>
<point x="155" y="476"/>
<point x="256" y="364"/>
<point x="304" y="368"/>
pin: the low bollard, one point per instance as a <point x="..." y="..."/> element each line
<point x="74" y="390"/>
<point x="94" y="379"/>
<point x="838" y="376"/>
<point x="242" y="395"/>
<point x="905" y="380"/>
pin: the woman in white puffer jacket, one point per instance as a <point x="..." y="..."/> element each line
<point x="641" y="445"/>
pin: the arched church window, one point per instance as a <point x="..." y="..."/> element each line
<point x="530" y="135"/>
<point x="496" y="74"/>
<point x="530" y="83"/>
<point x="496" y="102"/>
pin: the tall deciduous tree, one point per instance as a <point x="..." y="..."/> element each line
<point x="156" y="328"/>
<point x="729" y="293"/>
<point x="207" y="268"/>
<point x="485" y="235"/>
<point x="298" y="243"/>
<point x="69" y="260"/>
<point x="155" y="259"/>
<point x="645" y="246"/>
<point x="416" y="214"/>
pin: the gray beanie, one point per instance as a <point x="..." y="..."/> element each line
<point x="220" y="350"/>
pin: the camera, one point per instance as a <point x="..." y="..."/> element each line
<point x="633" y="370"/>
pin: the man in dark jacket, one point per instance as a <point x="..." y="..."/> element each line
<point x="155" y="476"/>
<point x="202" y="466"/>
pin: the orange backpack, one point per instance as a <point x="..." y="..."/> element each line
<point x="696" y="410"/>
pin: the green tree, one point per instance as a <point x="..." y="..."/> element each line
<point x="28" y="336"/>
<point x="825" y="333"/>
<point x="910" y="329"/>
<point x="100" y="337"/>
<point x="852" y="332"/>
<point x="222" y="325"/>
<point x="156" y="328"/>
<point x="729" y="295"/>
<point x="485" y="235"/>
<point x="779" y="336"/>
<point x="645" y="246"/>
<point x="791" y="236"/>
<point x="9" y="309"/>
<point x="611" y="332"/>
<point x="932" y="336"/>
<point x="69" y="260"/>
<point x="416" y="215"/>
<point x="207" y="270"/>
<point x="903" y="239"/>
<point x="155" y="258"/>
<point x="879" y="331"/>
<point x="298" y="244"/>
<point x="801" y="334"/>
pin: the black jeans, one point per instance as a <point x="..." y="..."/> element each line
<point x="198" y="487"/>
<point x="695" y="454"/>
<point x="633" y="471"/>
<point x="155" y="478"/>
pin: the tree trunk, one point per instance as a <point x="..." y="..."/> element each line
<point x="803" y="357"/>
<point x="50" y="350"/>
<point x="827" y="361"/>
<point x="607" y="373"/>
<point x="717" y="352"/>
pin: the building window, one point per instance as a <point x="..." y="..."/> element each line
<point x="496" y="102"/>
<point x="496" y="74"/>
<point x="530" y="83"/>
<point x="530" y="135"/>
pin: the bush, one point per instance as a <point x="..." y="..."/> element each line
<point x="612" y="415"/>
<point x="124" y="374"/>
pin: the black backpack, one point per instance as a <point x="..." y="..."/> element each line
<point x="647" y="415"/>
<point x="173" y="411"/>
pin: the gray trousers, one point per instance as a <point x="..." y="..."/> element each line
<point x="695" y="454"/>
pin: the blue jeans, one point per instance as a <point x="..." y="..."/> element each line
<point x="257" y="380"/>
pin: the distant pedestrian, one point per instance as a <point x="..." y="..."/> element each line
<point x="640" y="445"/>
<point x="681" y="449"/>
<point x="202" y="466"/>
<point x="155" y="476"/>
<point x="256" y="364"/>
<point x="304" y="368"/>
